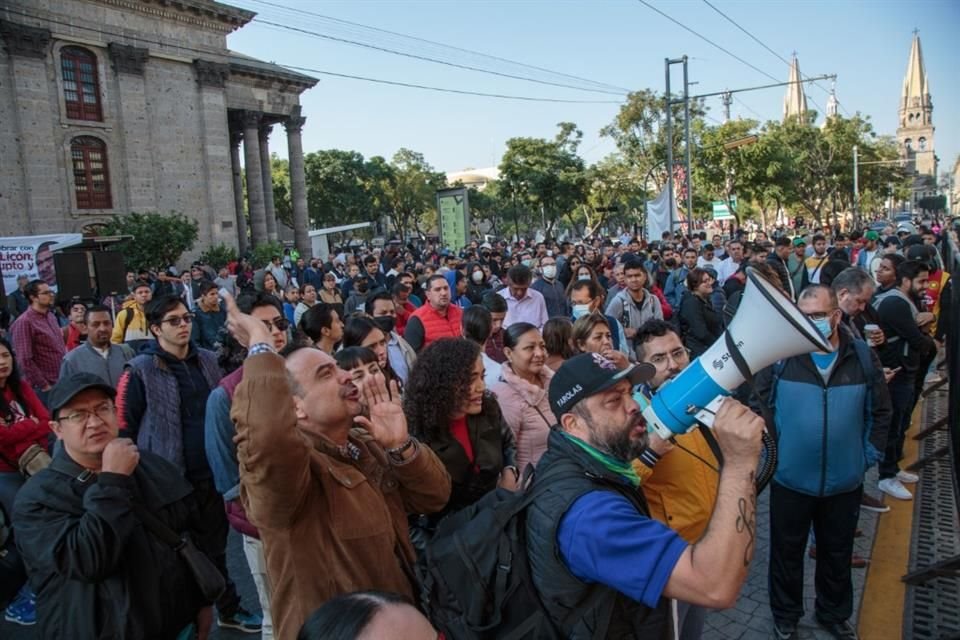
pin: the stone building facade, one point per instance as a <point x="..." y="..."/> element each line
<point x="114" y="106"/>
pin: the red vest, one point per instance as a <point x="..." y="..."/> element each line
<point x="436" y="326"/>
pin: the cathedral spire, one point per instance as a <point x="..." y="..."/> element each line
<point x="916" y="89"/>
<point x="795" y="102"/>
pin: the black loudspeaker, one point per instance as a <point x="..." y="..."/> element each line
<point x="73" y="276"/>
<point x="111" y="273"/>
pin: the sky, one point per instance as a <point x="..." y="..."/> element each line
<point x="620" y="44"/>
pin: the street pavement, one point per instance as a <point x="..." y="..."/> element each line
<point x="751" y="619"/>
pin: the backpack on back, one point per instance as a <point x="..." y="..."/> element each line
<point x="475" y="575"/>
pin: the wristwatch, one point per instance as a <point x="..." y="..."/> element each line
<point x="396" y="453"/>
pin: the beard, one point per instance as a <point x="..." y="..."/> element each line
<point x="619" y="443"/>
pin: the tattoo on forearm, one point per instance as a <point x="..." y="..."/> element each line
<point x="746" y="521"/>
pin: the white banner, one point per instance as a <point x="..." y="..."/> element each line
<point x="32" y="256"/>
<point x="658" y="216"/>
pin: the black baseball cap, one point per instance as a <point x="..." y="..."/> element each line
<point x="587" y="374"/>
<point x="66" y="388"/>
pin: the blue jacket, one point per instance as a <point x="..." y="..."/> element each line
<point x="676" y="286"/>
<point x="828" y="435"/>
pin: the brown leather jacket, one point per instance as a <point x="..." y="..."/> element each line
<point x="329" y="524"/>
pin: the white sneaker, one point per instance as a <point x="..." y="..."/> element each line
<point x="892" y="487"/>
<point x="907" y="478"/>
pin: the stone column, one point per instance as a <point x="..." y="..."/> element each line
<point x="268" y="205"/>
<point x="251" y="161"/>
<point x="298" y="184"/>
<point x="236" y="137"/>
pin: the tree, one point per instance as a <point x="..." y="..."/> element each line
<point x="158" y="239"/>
<point x="337" y="187"/>
<point x="544" y="178"/>
<point x="282" y="203"/>
<point x="614" y="196"/>
<point x="639" y="131"/>
<point x="720" y="173"/>
<point x="486" y="206"/>
<point x="406" y="190"/>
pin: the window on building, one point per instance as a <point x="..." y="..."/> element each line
<point x="908" y="144"/>
<point x="81" y="86"/>
<point x="91" y="175"/>
<point x="923" y="143"/>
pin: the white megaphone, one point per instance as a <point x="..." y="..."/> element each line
<point x="767" y="327"/>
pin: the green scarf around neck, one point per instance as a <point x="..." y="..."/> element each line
<point x="619" y="467"/>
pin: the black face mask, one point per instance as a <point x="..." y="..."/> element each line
<point x="386" y="323"/>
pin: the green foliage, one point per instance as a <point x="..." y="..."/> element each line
<point x="545" y="179"/>
<point x="282" y="203"/>
<point x="219" y="255"/>
<point x="337" y="188"/>
<point x="263" y="253"/>
<point x="407" y="191"/>
<point x="158" y="239"/>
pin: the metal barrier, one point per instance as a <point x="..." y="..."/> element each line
<point x="950" y="314"/>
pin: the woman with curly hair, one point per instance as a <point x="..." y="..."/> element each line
<point x="449" y="409"/>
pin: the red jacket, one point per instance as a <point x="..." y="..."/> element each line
<point x="436" y="326"/>
<point x="30" y="425"/>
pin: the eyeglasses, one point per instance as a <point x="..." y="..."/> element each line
<point x="176" y="321"/>
<point x="82" y="416"/>
<point x="820" y="315"/>
<point x="677" y="355"/>
<point x="280" y="323"/>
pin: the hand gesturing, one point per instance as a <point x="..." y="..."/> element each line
<point x="387" y="423"/>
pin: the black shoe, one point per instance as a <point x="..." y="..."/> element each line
<point x="785" y="630"/>
<point x="839" y="630"/>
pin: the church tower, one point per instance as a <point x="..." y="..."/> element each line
<point x="795" y="102"/>
<point x="833" y="106"/>
<point x="915" y="133"/>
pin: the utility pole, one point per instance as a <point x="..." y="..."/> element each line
<point x="727" y="100"/>
<point x="686" y="144"/>
<point x="668" y="102"/>
<point x="856" y="189"/>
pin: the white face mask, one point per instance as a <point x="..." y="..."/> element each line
<point x="580" y="310"/>
<point x="584" y="277"/>
<point x="550" y="271"/>
<point x="477" y="276"/>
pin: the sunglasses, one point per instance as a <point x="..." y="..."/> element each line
<point x="280" y="323"/>
<point x="176" y="321"/>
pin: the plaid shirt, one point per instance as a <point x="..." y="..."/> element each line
<point x="38" y="342"/>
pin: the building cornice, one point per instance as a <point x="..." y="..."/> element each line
<point x="211" y="74"/>
<point x="202" y="13"/>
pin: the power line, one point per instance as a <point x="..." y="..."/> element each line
<point x="706" y="39"/>
<point x="763" y="44"/>
<point x="319" y="71"/>
<point x="445" y="90"/>
<point x="439" y="44"/>
<point x="415" y="56"/>
<point x="748" y="107"/>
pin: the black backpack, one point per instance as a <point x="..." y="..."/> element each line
<point x="475" y="574"/>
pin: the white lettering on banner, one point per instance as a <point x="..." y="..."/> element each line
<point x="32" y="256"/>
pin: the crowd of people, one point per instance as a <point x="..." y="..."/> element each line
<point x="334" y="412"/>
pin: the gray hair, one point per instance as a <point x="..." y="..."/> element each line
<point x="853" y="279"/>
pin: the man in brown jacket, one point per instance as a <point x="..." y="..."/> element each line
<point x="328" y="489"/>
